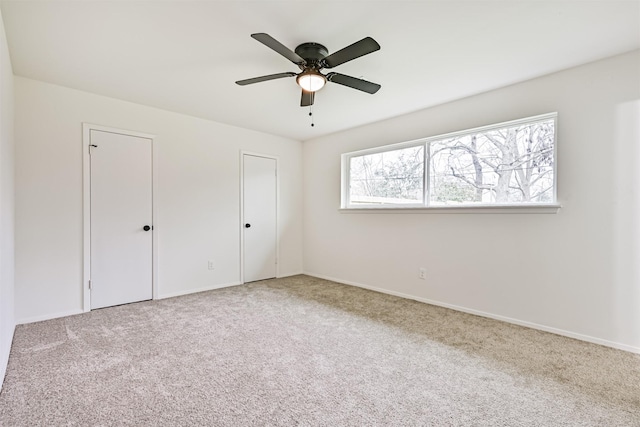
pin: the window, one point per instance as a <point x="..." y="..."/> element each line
<point x="388" y="177"/>
<point x="508" y="164"/>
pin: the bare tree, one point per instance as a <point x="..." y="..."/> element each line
<point x="507" y="165"/>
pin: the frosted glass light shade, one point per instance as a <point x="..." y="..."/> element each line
<point x="311" y="81"/>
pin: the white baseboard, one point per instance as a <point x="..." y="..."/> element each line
<point x="518" y="322"/>
<point x="43" y="317"/>
<point x="211" y="288"/>
<point x="161" y="296"/>
<point x="195" y="291"/>
<point x="290" y="274"/>
<point x="4" y="358"/>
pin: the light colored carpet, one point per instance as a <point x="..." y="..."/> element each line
<point x="304" y="351"/>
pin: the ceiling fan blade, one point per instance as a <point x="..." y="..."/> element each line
<point x="264" y="78"/>
<point x="352" y="82"/>
<point x="274" y="44"/>
<point x="356" y="50"/>
<point x="307" y="98"/>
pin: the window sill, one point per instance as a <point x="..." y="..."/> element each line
<point x="523" y="209"/>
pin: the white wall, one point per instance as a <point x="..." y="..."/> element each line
<point x="7" y="320"/>
<point x="576" y="272"/>
<point x="198" y="195"/>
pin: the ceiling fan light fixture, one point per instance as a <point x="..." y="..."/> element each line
<point x="311" y="58"/>
<point x="311" y="80"/>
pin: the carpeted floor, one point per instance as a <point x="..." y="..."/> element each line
<point x="304" y="351"/>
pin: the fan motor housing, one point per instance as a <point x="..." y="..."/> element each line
<point x="311" y="52"/>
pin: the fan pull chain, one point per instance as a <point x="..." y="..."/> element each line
<point x="311" y="115"/>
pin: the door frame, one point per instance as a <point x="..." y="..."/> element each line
<point x="86" y="208"/>
<point x="277" y="159"/>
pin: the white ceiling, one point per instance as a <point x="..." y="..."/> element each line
<point x="184" y="56"/>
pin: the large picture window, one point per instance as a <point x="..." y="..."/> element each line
<point x="507" y="164"/>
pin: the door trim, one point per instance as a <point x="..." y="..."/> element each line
<point x="277" y="159"/>
<point x="86" y="208"/>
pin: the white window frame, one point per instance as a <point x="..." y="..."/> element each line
<point x="531" y="207"/>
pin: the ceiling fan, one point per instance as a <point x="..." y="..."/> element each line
<point x="311" y="58"/>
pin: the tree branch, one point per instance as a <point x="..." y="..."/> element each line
<point x="470" y="182"/>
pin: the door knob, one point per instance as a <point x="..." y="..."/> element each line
<point x="247" y="226"/>
<point x="146" y="228"/>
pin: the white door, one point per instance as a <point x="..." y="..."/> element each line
<point x="121" y="212"/>
<point x="260" y="226"/>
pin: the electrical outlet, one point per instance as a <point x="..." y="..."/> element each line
<point x="422" y="273"/>
<point x="210" y="265"/>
